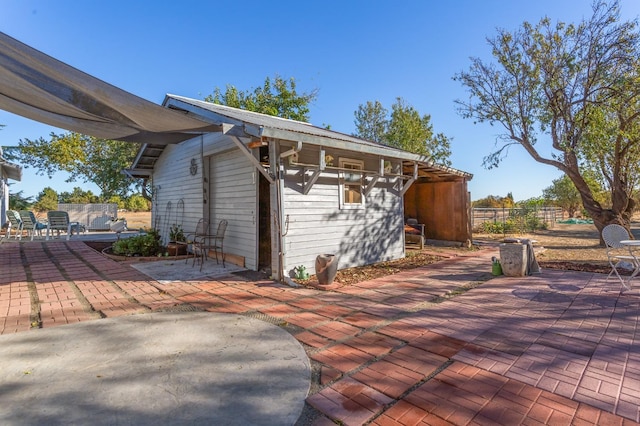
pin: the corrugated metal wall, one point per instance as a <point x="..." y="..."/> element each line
<point x="93" y="216"/>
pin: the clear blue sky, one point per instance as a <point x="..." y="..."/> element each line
<point x="351" y="51"/>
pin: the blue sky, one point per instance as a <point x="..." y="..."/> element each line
<point x="350" y="51"/>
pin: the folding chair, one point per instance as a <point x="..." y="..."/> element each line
<point x="31" y="224"/>
<point x="616" y="239"/>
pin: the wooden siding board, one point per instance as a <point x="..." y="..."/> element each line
<point x="172" y="176"/>
<point x="317" y="225"/>
<point x="233" y="195"/>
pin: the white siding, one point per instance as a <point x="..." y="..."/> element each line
<point x="174" y="185"/>
<point x="317" y="224"/>
<point x="233" y="197"/>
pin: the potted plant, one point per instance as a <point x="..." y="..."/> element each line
<point x="177" y="245"/>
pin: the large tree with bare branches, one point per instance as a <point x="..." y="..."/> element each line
<point x="569" y="94"/>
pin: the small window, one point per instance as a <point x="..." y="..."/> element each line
<point x="351" y="195"/>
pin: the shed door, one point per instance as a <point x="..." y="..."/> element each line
<point x="233" y="196"/>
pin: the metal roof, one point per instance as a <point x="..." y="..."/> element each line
<point x="258" y="125"/>
<point x="10" y="170"/>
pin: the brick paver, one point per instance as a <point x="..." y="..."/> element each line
<point x="444" y="344"/>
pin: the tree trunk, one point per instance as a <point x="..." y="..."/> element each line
<point x="601" y="216"/>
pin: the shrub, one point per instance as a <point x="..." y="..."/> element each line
<point x="141" y="245"/>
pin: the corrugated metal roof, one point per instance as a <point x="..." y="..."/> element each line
<point x="12" y="171"/>
<point x="267" y="126"/>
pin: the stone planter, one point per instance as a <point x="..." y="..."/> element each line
<point x="326" y="268"/>
<point x="513" y="259"/>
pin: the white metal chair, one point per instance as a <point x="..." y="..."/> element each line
<point x="617" y="252"/>
<point x="58" y="221"/>
<point x="31" y="224"/>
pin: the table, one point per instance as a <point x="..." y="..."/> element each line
<point x="631" y="245"/>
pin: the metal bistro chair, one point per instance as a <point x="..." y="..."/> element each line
<point x="31" y="224"/>
<point x="215" y="242"/>
<point x="14" y="223"/>
<point x="617" y="252"/>
<point x="202" y="229"/>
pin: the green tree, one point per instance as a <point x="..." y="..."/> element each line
<point x="138" y="203"/>
<point x="371" y="121"/>
<point x="563" y="193"/>
<point x="405" y="128"/>
<point x="495" y="202"/>
<point x="18" y="201"/>
<point x="78" y="196"/>
<point x="84" y="157"/>
<point x="278" y="97"/>
<point x="576" y="85"/>
<point x="46" y="200"/>
<point x="116" y="199"/>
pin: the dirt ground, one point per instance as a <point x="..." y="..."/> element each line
<point x="136" y="220"/>
<point x="565" y="246"/>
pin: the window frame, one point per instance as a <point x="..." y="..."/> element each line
<point x="347" y="182"/>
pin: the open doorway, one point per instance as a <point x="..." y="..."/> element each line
<point x="264" y="223"/>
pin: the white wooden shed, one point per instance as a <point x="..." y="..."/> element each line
<point x="289" y="190"/>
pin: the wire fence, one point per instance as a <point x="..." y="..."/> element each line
<point x="514" y="220"/>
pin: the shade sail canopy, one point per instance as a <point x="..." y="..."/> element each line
<point x="41" y="88"/>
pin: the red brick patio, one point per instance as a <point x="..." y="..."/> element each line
<point x="445" y="344"/>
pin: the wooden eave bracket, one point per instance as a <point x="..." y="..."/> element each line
<point x="413" y="178"/>
<point x="374" y="178"/>
<point x="306" y="186"/>
<point x="228" y="130"/>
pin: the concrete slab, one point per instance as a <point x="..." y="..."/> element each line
<point x="170" y="270"/>
<point x="161" y="368"/>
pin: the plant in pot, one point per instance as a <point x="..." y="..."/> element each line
<point x="177" y="245"/>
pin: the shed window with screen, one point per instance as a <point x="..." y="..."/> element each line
<point x="351" y="183"/>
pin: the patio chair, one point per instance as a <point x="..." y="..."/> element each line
<point x="216" y="242"/>
<point x="414" y="232"/>
<point x="202" y="244"/>
<point x="58" y="221"/>
<point x="14" y="223"/>
<point x="31" y="224"/>
<point x="202" y="229"/>
<point x="618" y="252"/>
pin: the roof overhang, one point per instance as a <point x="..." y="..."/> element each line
<point x="10" y="170"/>
<point x="254" y="126"/>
